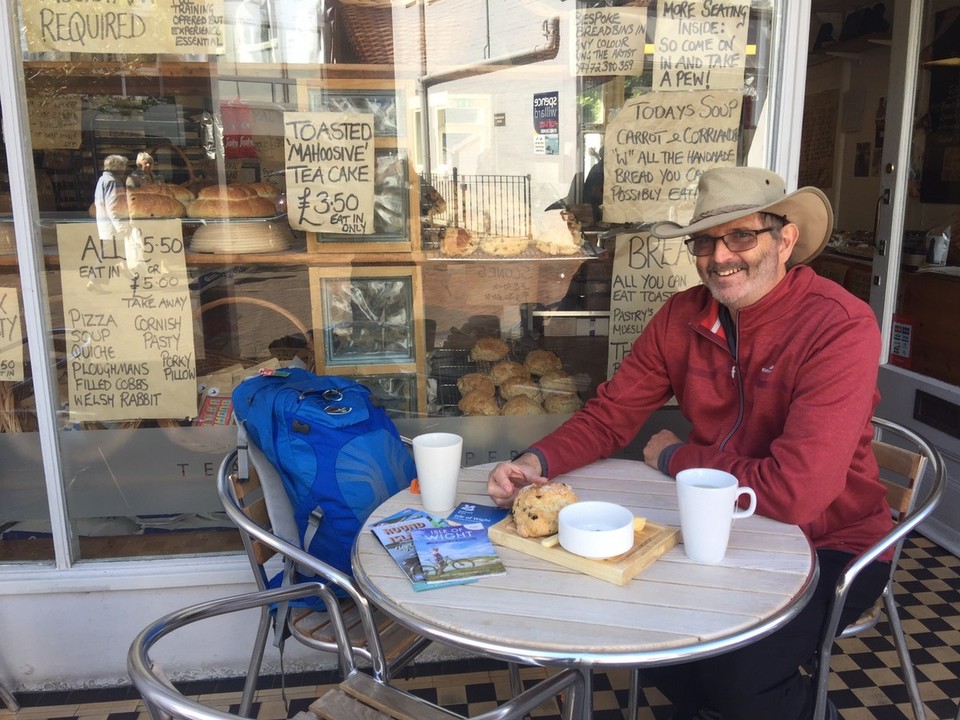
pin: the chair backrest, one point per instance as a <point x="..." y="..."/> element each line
<point x="911" y="502"/>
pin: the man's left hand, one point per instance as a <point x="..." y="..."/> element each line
<point x="656" y="444"/>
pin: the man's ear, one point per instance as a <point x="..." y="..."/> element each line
<point x="789" y="235"/>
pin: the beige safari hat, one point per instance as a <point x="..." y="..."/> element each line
<point x="727" y="193"/>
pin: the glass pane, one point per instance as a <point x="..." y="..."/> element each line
<point x="361" y="191"/>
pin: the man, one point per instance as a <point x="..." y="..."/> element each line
<point x="776" y="369"/>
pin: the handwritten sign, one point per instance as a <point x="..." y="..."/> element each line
<point x="129" y="328"/>
<point x="700" y="45"/>
<point x="507" y="283"/>
<point x="329" y="166"/>
<point x="657" y="147"/>
<point x="54" y="122"/>
<point x="646" y="272"/>
<point x="125" y="26"/>
<point x="11" y="336"/>
<point x="610" y="41"/>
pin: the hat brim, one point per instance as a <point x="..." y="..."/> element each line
<point x="808" y="208"/>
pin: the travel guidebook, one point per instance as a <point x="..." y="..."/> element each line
<point x="456" y="552"/>
<point x="395" y="534"/>
<point x="467" y="513"/>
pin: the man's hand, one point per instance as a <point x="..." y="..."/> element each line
<point x="656" y="444"/>
<point x="507" y="478"/>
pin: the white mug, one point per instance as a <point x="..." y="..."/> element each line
<point x="708" y="506"/>
<point x="437" y="456"/>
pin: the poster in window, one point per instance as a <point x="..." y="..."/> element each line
<point x="128" y="322"/>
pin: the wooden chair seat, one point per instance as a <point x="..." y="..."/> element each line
<point x="360" y="697"/>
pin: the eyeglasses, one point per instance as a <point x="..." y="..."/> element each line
<point x="736" y="241"/>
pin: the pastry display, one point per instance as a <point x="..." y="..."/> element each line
<point x="458" y="242"/>
<point x="477" y="383"/>
<point x="506" y="369"/>
<point x="477" y="403"/>
<point x="540" y="362"/>
<point x="536" y="507"/>
<point x="489" y="349"/>
<point x="522" y="405"/>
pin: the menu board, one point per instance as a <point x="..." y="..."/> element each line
<point x="129" y="26"/>
<point x="657" y="147"/>
<point x="129" y="326"/>
<point x="11" y="336"/>
<point x="610" y="41"/>
<point x="647" y="271"/>
<point x="329" y="166"/>
<point x="54" y="122"/>
<point x="700" y="45"/>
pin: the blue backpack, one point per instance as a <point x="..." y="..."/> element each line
<point x="338" y="453"/>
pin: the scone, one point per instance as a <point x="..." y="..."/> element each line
<point x="560" y="402"/>
<point x="458" y="242"/>
<point x="557" y="380"/>
<point x="522" y="405"/>
<point x="536" y="507"/>
<point x="514" y="387"/>
<point x="540" y="362"/>
<point x="489" y="349"/>
<point x="476" y="403"/>
<point x="506" y="369"/>
<point x="477" y="382"/>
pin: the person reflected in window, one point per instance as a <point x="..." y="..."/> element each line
<point x="143" y="174"/>
<point x="776" y="369"/>
<point x="110" y="198"/>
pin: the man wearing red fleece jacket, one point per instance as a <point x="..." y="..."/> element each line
<point x="776" y="369"/>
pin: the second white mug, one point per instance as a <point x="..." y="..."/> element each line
<point x="708" y="506"/>
<point x="437" y="457"/>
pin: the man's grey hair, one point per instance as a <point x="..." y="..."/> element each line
<point x="115" y="163"/>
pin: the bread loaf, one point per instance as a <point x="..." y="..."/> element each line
<point x="227" y="192"/>
<point x="178" y="192"/>
<point x="153" y="205"/>
<point x="245" y="207"/>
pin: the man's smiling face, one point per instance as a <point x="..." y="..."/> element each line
<point x="739" y="279"/>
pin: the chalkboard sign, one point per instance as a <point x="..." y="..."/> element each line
<point x="330" y="171"/>
<point x="610" y="41"/>
<point x="11" y="336"/>
<point x="657" y="147"/>
<point x="700" y="45"/>
<point x="129" y="327"/>
<point x="647" y="271"/>
<point x="144" y="26"/>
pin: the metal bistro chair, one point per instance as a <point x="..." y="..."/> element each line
<point x="359" y="697"/>
<point x="908" y="511"/>
<point x="253" y="496"/>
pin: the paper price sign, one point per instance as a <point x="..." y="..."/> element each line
<point x="329" y="165"/>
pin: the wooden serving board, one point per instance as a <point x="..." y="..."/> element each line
<point x="648" y="544"/>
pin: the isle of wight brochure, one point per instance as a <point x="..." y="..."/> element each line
<point x="456" y="552"/>
<point x="395" y="534"/>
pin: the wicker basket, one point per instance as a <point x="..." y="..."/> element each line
<point x="369" y="25"/>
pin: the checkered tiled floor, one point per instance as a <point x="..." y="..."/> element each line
<point x="865" y="685"/>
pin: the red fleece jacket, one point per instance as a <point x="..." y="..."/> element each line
<point x="789" y="416"/>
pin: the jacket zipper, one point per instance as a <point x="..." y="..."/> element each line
<point x="736" y="377"/>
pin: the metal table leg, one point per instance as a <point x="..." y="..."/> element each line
<point x="8" y="699"/>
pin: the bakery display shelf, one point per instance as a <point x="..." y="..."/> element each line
<point x="218" y="221"/>
<point x="586" y="252"/>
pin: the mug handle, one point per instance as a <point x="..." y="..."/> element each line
<point x="750" y="509"/>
